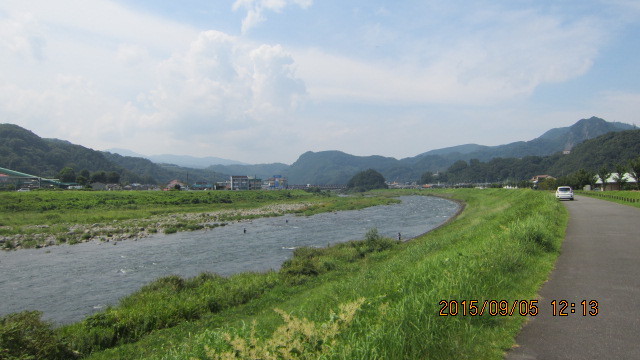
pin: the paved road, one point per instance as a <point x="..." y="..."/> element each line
<point x="600" y="261"/>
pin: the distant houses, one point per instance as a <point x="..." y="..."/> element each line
<point x="612" y="182"/>
<point x="536" y="179"/>
<point x="235" y="182"/>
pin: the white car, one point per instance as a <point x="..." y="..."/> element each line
<point x="564" y="192"/>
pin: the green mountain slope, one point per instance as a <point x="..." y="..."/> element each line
<point x="590" y="155"/>
<point x="24" y="151"/>
<point x="336" y="167"/>
<point x="550" y="142"/>
<point x="606" y="150"/>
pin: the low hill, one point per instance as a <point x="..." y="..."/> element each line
<point x="24" y="151"/>
<point x="336" y="167"/>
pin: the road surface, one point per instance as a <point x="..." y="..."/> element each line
<point x="600" y="261"/>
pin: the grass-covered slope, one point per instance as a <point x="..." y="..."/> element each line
<point x="375" y="299"/>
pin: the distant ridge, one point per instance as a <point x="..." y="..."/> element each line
<point x="23" y="151"/>
<point x="180" y="160"/>
<point x="334" y="167"/>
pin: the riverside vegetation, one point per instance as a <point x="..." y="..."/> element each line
<point x="42" y="218"/>
<point x="369" y="299"/>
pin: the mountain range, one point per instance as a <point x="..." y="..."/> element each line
<point x="24" y="151"/>
<point x="180" y="160"/>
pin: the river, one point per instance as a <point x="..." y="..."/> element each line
<point x="69" y="282"/>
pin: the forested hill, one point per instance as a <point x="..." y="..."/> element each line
<point x="552" y="141"/>
<point x="24" y="151"/>
<point x="334" y="167"/>
<point x="607" y="151"/>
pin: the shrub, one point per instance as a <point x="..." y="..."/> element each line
<point x="375" y="242"/>
<point x="25" y="336"/>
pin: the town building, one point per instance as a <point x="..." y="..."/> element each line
<point x="276" y="182"/>
<point x="243" y="182"/>
<point x="611" y="183"/>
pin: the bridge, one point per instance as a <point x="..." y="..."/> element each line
<point x="20" y="179"/>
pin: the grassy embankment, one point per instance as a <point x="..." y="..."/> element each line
<point x="37" y="218"/>
<point x="360" y="300"/>
<point x="631" y="198"/>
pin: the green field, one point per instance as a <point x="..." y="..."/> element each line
<point x="631" y="198"/>
<point x="372" y="299"/>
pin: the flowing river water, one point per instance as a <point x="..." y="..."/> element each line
<point x="69" y="282"/>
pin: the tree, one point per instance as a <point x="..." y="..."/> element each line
<point x="604" y="174"/>
<point x="427" y="178"/>
<point x="619" y="178"/>
<point x="367" y="180"/>
<point x="67" y="175"/>
<point x="99" y="177"/>
<point x="113" y="177"/>
<point x="547" y="184"/>
<point x="634" y="171"/>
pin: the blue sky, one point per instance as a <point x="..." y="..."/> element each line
<point x="265" y="80"/>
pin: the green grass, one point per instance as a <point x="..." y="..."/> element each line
<point x="371" y="299"/>
<point x="75" y="216"/>
<point x="502" y="247"/>
<point x="631" y="198"/>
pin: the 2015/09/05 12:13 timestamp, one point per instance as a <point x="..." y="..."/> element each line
<point x="515" y="307"/>
<point x="565" y="308"/>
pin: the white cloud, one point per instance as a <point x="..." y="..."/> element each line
<point x="22" y="35"/>
<point x="501" y="56"/>
<point x="256" y="9"/>
<point x="104" y="75"/>
<point x="132" y="55"/>
<point x="222" y="84"/>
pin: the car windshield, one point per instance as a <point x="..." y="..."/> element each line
<point x="564" y="189"/>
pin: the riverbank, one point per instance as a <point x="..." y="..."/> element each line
<point x="371" y="299"/>
<point x="47" y="218"/>
<point x="102" y="273"/>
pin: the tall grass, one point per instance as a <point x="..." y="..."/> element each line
<point x="383" y="297"/>
<point x="502" y="247"/>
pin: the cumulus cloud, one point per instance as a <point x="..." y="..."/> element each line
<point x="223" y="83"/>
<point x="256" y="9"/>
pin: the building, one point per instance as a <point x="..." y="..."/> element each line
<point x="611" y="183"/>
<point x="276" y="182"/>
<point x="243" y="182"/>
<point x="203" y="185"/>
<point x="176" y="185"/>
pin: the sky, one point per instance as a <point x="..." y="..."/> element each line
<point x="263" y="81"/>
